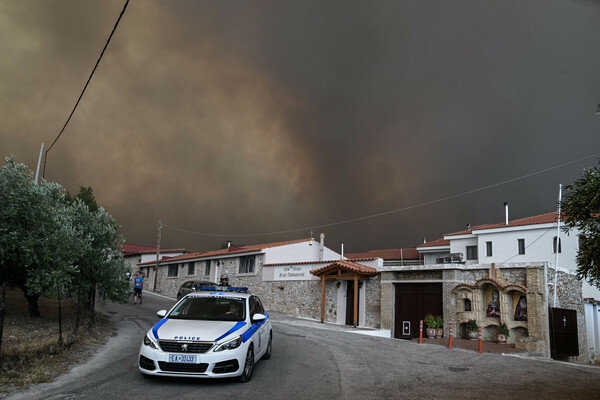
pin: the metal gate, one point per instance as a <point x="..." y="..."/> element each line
<point x="412" y="302"/>
<point x="563" y="333"/>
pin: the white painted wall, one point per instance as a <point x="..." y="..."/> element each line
<point x="152" y="256"/>
<point x="592" y="326"/>
<point x="459" y="245"/>
<point x="298" y="252"/>
<point x="538" y="246"/>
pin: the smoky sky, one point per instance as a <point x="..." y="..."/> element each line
<point x="250" y="117"/>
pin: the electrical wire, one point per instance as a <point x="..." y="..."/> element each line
<point x="387" y="212"/>
<point x="85" y="87"/>
<point x="530" y="244"/>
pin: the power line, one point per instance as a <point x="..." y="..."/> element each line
<point x="85" y="87"/>
<point x="388" y="212"/>
<point x="531" y="244"/>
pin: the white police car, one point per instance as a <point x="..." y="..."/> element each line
<point x="215" y="332"/>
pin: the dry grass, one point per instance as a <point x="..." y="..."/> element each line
<point x="31" y="352"/>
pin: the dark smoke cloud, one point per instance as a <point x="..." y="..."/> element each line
<point x="245" y="117"/>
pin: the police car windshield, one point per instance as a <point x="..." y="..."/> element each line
<point x="210" y="309"/>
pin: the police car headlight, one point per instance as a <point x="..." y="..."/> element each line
<point x="148" y="341"/>
<point x="230" y="344"/>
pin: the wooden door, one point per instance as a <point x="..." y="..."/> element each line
<point x="350" y="303"/>
<point x="412" y="302"/>
<point x="564" y="340"/>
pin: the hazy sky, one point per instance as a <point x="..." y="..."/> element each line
<point x="250" y="117"/>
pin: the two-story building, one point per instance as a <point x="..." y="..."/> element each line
<point x="528" y="261"/>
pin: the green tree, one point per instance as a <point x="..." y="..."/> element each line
<point x="581" y="207"/>
<point x="51" y="245"/>
<point x="100" y="264"/>
<point x="86" y="194"/>
<point x="37" y="242"/>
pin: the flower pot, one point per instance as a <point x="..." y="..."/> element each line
<point x="472" y="335"/>
<point x="439" y="332"/>
<point x="431" y="333"/>
<point x="501" y="338"/>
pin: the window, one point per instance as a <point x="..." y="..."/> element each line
<point x="247" y="265"/>
<point x="471" y="252"/>
<point x="210" y="309"/>
<point x="256" y="306"/>
<point x="191" y="268"/>
<point x="488" y="249"/>
<point x="521" y="244"/>
<point x="581" y="241"/>
<point x="467" y="305"/>
<point x="207" y="268"/>
<point x="554" y="245"/>
<point x="173" y="269"/>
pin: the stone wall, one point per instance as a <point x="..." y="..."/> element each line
<point x="474" y="282"/>
<point x="387" y="304"/>
<point x="569" y="296"/>
<point x="373" y="302"/>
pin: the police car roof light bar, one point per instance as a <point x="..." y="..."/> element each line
<point x="224" y="288"/>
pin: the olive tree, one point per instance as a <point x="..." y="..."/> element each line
<point x="37" y="242"/>
<point x="49" y="245"/>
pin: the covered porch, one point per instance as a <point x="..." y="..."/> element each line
<point x="343" y="270"/>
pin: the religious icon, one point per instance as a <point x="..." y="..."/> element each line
<point x="521" y="310"/>
<point x="493" y="309"/>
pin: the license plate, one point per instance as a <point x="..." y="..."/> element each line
<point x="182" y="358"/>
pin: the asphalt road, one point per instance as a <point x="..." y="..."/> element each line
<point x="310" y="362"/>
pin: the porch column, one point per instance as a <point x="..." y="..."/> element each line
<point x="355" y="300"/>
<point x="322" y="298"/>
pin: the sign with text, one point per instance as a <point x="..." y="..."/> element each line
<point x="293" y="273"/>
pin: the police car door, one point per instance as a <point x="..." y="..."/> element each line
<point x="261" y="338"/>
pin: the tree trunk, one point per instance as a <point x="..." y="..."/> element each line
<point x="60" y="338"/>
<point x="78" y="311"/>
<point x="93" y="305"/>
<point x="2" y="311"/>
<point x="32" y="301"/>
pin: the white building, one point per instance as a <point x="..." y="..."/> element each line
<point x="525" y="240"/>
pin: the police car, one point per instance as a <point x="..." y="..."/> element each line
<point x="217" y="332"/>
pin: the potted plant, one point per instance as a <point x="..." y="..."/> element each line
<point x="431" y="323"/>
<point x="503" y="333"/>
<point x="439" y="324"/>
<point x="472" y="329"/>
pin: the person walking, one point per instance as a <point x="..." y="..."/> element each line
<point x="138" y="285"/>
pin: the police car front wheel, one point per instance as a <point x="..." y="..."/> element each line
<point x="267" y="354"/>
<point x="248" y="366"/>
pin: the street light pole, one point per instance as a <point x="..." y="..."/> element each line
<point x="157" y="255"/>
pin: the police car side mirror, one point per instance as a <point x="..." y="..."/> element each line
<point x="161" y="313"/>
<point x="258" y="317"/>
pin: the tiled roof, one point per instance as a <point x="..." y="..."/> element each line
<point x="234" y="250"/>
<point x="347" y="266"/>
<point x="548" y="218"/>
<point x="495" y="282"/>
<point x="129" y="248"/>
<point x="391" y="254"/>
<point x="300" y="263"/>
<point x="436" y="243"/>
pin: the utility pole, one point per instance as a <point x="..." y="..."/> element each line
<point x="37" y="171"/>
<point x="157" y="255"/>
<point x="557" y="245"/>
